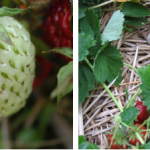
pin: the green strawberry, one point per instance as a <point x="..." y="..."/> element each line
<point x="17" y="65"/>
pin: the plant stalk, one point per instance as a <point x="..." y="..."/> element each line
<point x="103" y="4"/>
<point x="112" y="96"/>
<point x="132" y="98"/>
<point x="130" y="66"/>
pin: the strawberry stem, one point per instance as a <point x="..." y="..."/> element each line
<point x="99" y="5"/>
<point x="112" y="96"/>
<point x="130" y="66"/>
<point x="130" y="102"/>
<point x="139" y="138"/>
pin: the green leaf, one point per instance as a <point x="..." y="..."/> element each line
<point x="86" y="81"/>
<point x="90" y="25"/>
<point x="85" y="145"/>
<point x="81" y="139"/>
<point x="85" y="42"/>
<point x="64" y="51"/>
<point x="100" y="66"/>
<point x="65" y="81"/>
<point x="5" y="11"/>
<point x="145" y="146"/>
<point x="4" y="36"/>
<point x="144" y="74"/>
<point x="135" y="21"/>
<point x="132" y="9"/>
<point x="108" y="64"/>
<point x="129" y="114"/>
<point x="94" y="22"/>
<point x="114" y="27"/>
<point x="86" y="28"/>
<point x="81" y="13"/>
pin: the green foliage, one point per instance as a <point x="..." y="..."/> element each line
<point x="65" y="82"/>
<point x="86" y="81"/>
<point x="144" y="74"/>
<point x="107" y="64"/>
<point x="114" y="27"/>
<point x="5" y="11"/>
<point x="129" y="114"/>
<point x="135" y="21"/>
<point x="64" y="51"/>
<point x="85" y="145"/>
<point x="85" y="42"/>
<point x="132" y="9"/>
<point x="93" y="29"/>
<point x="81" y="13"/>
<point x="145" y="146"/>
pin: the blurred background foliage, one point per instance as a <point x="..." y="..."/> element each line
<point x="41" y="124"/>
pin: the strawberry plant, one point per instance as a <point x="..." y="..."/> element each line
<point x="101" y="62"/>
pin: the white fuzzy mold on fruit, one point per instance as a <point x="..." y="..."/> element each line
<point x="17" y="66"/>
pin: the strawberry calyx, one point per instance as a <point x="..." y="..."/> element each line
<point x="132" y="136"/>
<point x="119" y="141"/>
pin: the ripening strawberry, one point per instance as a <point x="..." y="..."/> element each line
<point x="133" y="138"/>
<point x="143" y="112"/>
<point x="119" y="142"/>
<point x="17" y="65"/>
<point x="57" y="26"/>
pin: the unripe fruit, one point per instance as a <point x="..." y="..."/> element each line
<point x="17" y="66"/>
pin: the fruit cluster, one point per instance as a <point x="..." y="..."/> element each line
<point x="123" y="141"/>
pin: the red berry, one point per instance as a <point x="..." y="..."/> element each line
<point x="115" y="145"/>
<point x="134" y="141"/>
<point x="57" y="29"/>
<point x="143" y="112"/>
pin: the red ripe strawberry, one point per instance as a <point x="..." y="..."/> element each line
<point x="57" y="29"/>
<point x="143" y="112"/>
<point x="133" y="139"/>
<point x="43" y="68"/>
<point x="119" y="142"/>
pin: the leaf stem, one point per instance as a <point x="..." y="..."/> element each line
<point x="132" y="98"/>
<point x="112" y="96"/>
<point x="87" y="61"/>
<point x="130" y="66"/>
<point x="139" y="138"/>
<point x="99" y="5"/>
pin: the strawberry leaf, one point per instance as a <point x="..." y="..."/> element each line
<point x="129" y="114"/>
<point x="65" y="82"/>
<point x="135" y="21"/>
<point x="144" y="74"/>
<point x="81" y="13"/>
<point x="132" y="9"/>
<point x="114" y="27"/>
<point x="86" y="81"/>
<point x="85" y="145"/>
<point x="145" y="146"/>
<point x="5" y="11"/>
<point x="64" y="51"/>
<point x="86" y="28"/>
<point x="85" y="42"/>
<point x="107" y="64"/>
<point x="93" y="22"/>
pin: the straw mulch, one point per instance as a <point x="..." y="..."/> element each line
<point x="98" y="110"/>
